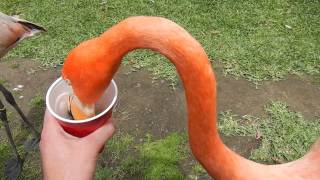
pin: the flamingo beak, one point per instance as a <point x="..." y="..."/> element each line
<point x="78" y="110"/>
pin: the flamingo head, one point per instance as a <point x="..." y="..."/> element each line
<point x="87" y="70"/>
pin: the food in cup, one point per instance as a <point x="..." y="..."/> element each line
<point x="57" y="101"/>
<point x="79" y="111"/>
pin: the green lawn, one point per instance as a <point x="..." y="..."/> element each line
<point x="285" y="135"/>
<point x="258" y="40"/>
<point x="282" y="134"/>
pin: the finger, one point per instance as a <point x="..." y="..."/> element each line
<point x="50" y="125"/>
<point x="50" y="121"/>
<point x="102" y="134"/>
<point x="50" y="130"/>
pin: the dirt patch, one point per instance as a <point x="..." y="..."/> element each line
<point x="151" y="106"/>
<point x="148" y="105"/>
<point x="242" y="97"/>
<point x="35" y="80"/>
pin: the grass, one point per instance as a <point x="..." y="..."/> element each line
<point x="257" y="40"/>
<point x="285" y="135"/>
<point x="37" y="102"/>
<point x="5" y="154"/>
<point x="31" y="166"/>
<point x="37" y="108"/>
<point x="162" y="157"/>
<point x="20" y="134"/>
<point x="151" y="159"/>
<point x="198" y="170"/>
<point x="283" y="138"/>
<point x="2" y="81"/>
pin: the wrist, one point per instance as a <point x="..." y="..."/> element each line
<point x="79" y="168"/>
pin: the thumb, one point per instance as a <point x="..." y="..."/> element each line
<point x="102" y="134"/>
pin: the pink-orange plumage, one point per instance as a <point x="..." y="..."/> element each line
<point x="90" y="67"/>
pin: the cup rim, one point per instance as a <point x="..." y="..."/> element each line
<point x="82" y="120"/>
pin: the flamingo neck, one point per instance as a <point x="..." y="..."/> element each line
<point x="196" y="73"/>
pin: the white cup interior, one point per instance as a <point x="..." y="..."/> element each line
<point x="57" y="101"/>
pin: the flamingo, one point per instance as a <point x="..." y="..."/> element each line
<point x="12" y="31"/>
<point x="89" y="67"/>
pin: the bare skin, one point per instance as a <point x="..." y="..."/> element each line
<point x="67" y="157"/>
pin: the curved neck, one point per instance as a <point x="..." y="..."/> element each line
<point x="196" y="73"/>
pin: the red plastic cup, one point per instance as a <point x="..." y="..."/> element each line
<point x="57" y="104"/>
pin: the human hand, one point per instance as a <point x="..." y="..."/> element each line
<point x="67" y="157"/>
